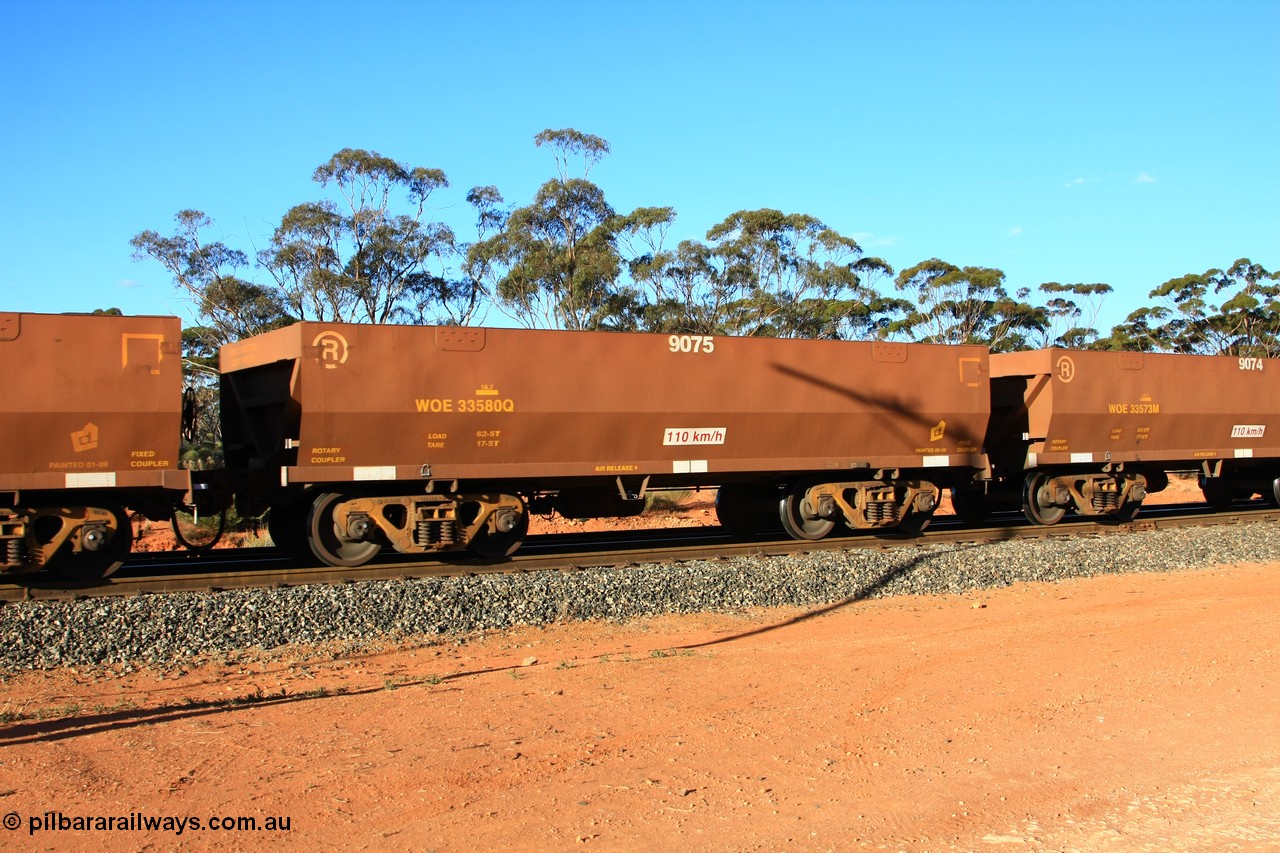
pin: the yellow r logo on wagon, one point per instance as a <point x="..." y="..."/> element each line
<point x="333" y="349"/>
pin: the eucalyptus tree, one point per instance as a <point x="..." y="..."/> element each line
<point x="1232" y="311"/>
<point x="457" y="295"/>
<point x="360" y="258"/>
<point x="1135" y="334"/>
<point x="555" y="261"/>
<point x="669" y="288"/>
<point x="1186" y="315"/>
<point x="1248" y="320"/>
<point x="966" y="305"/>
<point x="790" y="275"/>
<point x="230" y="307"/>
<point x="1071" y="312"/>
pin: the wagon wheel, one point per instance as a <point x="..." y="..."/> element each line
<point x="1127" y="511"/>
<point x="494" y="545"/>
<point x="103" y="551"/>
<point x="333" y="545"/>
<point x="798" y="518"/>
<point x="745" y="510"/>
<point x="1274" y="496"/>
<point x="1217" y="492"/>
<point x="287" y="527"/>
<point x="1036" y="509"/>
<point x="914" y="523"/>
<point x="194" y="536"/>
<point x="970" y="505"/>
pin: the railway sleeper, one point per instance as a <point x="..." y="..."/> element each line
<point x="349" y="530"/>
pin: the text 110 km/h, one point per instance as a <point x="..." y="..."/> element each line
<point x="693" y="435"/>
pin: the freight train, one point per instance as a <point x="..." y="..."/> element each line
<point x="353" y="439"/>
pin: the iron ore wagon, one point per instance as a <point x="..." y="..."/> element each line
<point x="1095" y="432"/>
<point x="90" y="425"/>
<point x="431" y="439"/>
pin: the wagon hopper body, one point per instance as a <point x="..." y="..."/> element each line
<point x="90" y="424"/>
<point x="1094" y="432"/>
<point x="437" y="438"/>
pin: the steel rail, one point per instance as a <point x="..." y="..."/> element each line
<point x="153" y="574"/>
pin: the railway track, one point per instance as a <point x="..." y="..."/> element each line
<point x="148" y="574"/>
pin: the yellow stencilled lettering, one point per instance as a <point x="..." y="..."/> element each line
<point x="1142" y="407"/>
<point x="616" y="469"/>
<point x="327" y="456"/>
<point x="146" y="459"/>
<point x="930" y="451"/>
<point x="1143" y="433"/>
<point x="486" y="405"/>
<point x="436" y="440"/>
<point x="486" y="401"/>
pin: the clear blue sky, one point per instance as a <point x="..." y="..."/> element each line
<point x="1117" y="142"/>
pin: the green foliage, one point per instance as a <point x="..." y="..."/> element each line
<point x="1229" y="312"/>
<point x="368" y="251"/>
<point x="233" y="308"/>
<point x="1071" y="312"/>
<point x="573" y="143"/>
<point x="763" y="272"/>
<point x="965" y="306"/>
<point x="358" y="260"/>
<point x="667" y="500"/>
<point x="555" y="263"/>
<point x="789" y="275"/>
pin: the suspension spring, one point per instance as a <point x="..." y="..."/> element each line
<point x="436" y="531"/>
<point x="881" y="512"/>
<point x="1106" y="501"/>
<point x="14" y="552"/>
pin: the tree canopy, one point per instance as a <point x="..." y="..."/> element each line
<point x="1235" y="311"/>
<point x="372" y="249"/>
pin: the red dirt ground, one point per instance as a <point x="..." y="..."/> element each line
<point x="1129" y="712"/>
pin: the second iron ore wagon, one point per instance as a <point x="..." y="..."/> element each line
<point x="1094" y="432"/>
<point x="439" y="438"/>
